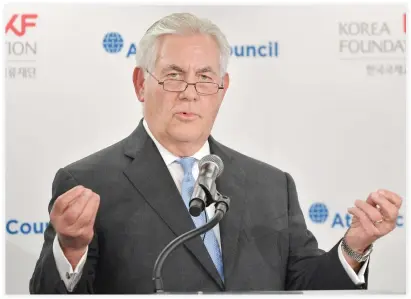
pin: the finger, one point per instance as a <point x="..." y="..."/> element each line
<point x="64" y="200"/>
<point x="94" y="205"/>
<point x="89" y="213"/>
<point x="364" y="220"/>
<point x="370" y="200"/>
<point x="97" y="205"/>
<point x="387" y="209"/>
<point x="394" y="198"/>
<point x="74" y="210"/>
<point x="372" y="213"/>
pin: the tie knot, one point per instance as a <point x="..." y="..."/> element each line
<point x="187" y="164"/>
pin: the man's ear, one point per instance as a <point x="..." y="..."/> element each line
<point x="138" y="82"/>
<point x="226" y="82"/>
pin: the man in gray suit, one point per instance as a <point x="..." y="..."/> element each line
<point x="114" y="211"/>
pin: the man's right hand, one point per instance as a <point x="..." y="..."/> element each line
<point x="72" y="216"/>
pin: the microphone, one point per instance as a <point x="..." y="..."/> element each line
<point x="210" y="167"/>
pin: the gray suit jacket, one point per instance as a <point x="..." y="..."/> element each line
<point x="265" y="242"/>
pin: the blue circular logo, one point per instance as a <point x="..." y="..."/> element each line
<point x="318" y="213"/>
<point x="113" y="42"/>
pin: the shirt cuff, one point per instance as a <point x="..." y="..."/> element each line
<point x="357" y="279"/>
<point x="69" y="277"/>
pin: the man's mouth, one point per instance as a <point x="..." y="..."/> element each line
<point x="186" y="115"/>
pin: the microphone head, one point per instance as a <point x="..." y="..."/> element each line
<point x="212" y="159"/>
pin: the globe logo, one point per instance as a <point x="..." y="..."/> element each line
<point x="113" y="42"/>
<point x="318" y="213"/>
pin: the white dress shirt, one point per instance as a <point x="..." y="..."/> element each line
<point x="70" y="277"/>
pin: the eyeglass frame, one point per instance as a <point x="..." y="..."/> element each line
<point x="187" y="84"/>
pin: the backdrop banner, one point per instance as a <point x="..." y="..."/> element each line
<point x="317" y="91"/>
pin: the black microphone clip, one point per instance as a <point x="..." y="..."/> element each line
<point x="202" y="197"/>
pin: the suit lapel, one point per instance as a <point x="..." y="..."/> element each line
<point x="151" y="177"/>
<point x="231" y="184"/>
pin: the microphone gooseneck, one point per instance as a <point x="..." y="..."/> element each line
<point x="222" y="206"/>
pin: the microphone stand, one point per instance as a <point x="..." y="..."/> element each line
<point x="222" y="204"/>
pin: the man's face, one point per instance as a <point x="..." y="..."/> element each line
<point x="183" y="116"/>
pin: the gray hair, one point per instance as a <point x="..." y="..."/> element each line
<point x="180" y="23"/>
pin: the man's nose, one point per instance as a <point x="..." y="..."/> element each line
<point x="190" y="93"/>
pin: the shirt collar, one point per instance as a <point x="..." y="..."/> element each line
<point x="168" y="157"/>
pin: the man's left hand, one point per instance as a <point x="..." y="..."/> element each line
<point x="373" y="218"/>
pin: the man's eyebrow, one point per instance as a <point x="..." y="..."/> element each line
<point x="207" y="69"/>
<point x="173" y="67"/>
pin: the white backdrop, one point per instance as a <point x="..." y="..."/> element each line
<point x="328" y="107"/>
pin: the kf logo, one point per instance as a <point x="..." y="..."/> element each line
<point x="25" y="22"/>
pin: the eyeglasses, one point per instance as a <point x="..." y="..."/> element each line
<point x="202" y="88"/>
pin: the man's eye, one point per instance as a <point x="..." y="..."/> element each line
<point x="205" y="78"/>
<point x="173" y="75"/>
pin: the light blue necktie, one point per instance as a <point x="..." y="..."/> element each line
<point x="210" y="240"/>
